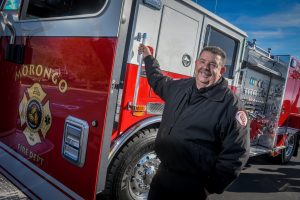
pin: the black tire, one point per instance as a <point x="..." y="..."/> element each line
<point x="126" y="176"/>
<point x="297" y="145"/>
<point x="288" y="152"/>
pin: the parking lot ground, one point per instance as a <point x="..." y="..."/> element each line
<point x="8" y="191"/>
<point x="262" y="179"/>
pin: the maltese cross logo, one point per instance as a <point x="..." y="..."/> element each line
<point x="34" y="114"/>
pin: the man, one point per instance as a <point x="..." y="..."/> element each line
<point x="203" y="140"/>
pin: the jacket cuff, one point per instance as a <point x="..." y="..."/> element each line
<point x="215" y="185"/>
<point x="149" y="60"/>
<point x="210" y="188"/>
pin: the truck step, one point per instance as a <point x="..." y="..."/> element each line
<point x="258" y="150"/>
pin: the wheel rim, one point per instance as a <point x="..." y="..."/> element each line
<point x="140" y="174"/>
<point x="289" y="145"/>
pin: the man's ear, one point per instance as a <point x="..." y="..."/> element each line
<point x="223" y="70"/>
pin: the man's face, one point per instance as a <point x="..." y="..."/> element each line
<point x="208" y="69"/>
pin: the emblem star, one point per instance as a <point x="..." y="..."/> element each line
<point x="47" y="120"/>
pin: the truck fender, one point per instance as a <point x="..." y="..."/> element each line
<point x="122" y="139"/>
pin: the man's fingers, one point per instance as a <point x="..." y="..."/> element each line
<point x="141" y="49"/>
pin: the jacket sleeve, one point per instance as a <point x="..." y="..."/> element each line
<point x="158" y="82"/>
<point x="234" y="152"/>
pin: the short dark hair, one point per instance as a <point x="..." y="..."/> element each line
<point x="215" y="50"/>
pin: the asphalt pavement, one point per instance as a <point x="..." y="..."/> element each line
<point x="8" y="191"/>
<point x="262" y="179"/>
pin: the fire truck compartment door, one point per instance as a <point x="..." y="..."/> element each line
<point x="178" y="38"/>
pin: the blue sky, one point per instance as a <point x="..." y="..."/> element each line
<point x="274" y="23"/>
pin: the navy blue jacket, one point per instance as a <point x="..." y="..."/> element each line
<point x="200" y="133"/>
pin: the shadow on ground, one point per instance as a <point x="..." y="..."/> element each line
<point x="267" y="178"/>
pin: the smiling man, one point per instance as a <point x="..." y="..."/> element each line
<point x="209" y="67"/>
<point x="203" y="140"/>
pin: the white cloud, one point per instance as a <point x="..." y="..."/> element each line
<point x="288" y="18"/>
<point x="266" y="34"/>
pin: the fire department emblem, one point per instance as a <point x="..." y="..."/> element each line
<point x="241" y="117"/>
<point x="35" y="114"/>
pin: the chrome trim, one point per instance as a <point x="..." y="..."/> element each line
<point x="268" y="70"/>
<point x="281" y="130"/>
<point x="141" y="173"/>
<point x="278" y="149"/>
<point x="286" y="130"/>
<point x="291" y="130"/>
<point x="138" y="74"/>
<point x="10" y="27"/>
<point x="118" y="143"/>
<point x="155" y="108"/>
<point x="257" y="150"/>
<point x="82" y="142"/>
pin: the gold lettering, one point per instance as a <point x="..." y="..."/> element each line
<point x="25" y="70"/>
<point x="62" y="86"/>
<point x="47" y="73"/>
<point x="23" y="149"/>
<point x="39" y="70"/>
<point x="36" y="158"/>
<point x="31" y="154"/>
<point x="42" y="161"/>
<point x="18" y="74"/>
<point x="31" y="70"/>
<point x="54" y="79"/>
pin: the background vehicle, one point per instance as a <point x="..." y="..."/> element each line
<point x="269" y="86"/>
<point x="78" y="117"/>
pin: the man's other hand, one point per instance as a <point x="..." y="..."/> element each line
<point x="143" y="49"/>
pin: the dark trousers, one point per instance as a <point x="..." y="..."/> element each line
<point x="167" y="185"/>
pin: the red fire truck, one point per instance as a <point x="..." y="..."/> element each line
<point x="78" y="118"/>
<point x="269" y="87"/>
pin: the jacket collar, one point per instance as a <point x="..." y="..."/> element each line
<point x="215" y="92"/>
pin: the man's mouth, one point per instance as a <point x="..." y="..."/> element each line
<point x="205" y="73"/>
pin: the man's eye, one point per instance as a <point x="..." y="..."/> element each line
<point x="212" y="65"/>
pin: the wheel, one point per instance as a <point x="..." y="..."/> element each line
<point x="288" y="152"/>
<point x="132" y="170"/>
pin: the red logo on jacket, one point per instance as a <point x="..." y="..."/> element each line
<point x="241" y="117"/>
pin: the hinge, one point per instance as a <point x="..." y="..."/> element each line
<point x="115" y="86"/>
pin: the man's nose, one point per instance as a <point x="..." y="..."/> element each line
<point x="205" y="66"/>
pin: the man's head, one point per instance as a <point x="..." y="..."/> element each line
<point x="209" y="66"/>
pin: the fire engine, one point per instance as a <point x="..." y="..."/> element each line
<point x="78" y="118"/>
<point x="269" y="87"/>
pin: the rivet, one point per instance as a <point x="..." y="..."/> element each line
<point x="95" y="123"/>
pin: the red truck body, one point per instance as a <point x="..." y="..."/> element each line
<point x="70" y="127"/>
